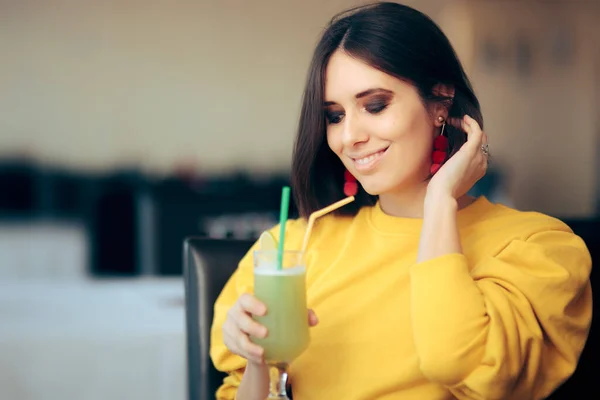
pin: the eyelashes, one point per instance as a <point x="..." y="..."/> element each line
<point x="374" y="107"/>
<point x="332" y="117"/>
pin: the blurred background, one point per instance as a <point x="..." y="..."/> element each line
<point x="127" y="125"/>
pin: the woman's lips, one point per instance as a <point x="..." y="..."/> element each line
<point x="369" y="161"/>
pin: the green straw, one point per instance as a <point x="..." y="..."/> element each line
<point x="283" y="216"/>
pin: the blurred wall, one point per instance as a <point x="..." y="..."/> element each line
<point x="98" y="84"/>
<point x="535" y="66"/>
<point x="217" y="85"/>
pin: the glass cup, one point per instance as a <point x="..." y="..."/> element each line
<point x="284" y="293"/>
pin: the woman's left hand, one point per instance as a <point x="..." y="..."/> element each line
<point x="469" y="164"/>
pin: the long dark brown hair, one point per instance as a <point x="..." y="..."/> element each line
<point x="394" y="39"/>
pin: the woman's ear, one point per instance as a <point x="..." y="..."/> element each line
<point x="441" y="108"/>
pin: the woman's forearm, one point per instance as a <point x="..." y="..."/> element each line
<point x="439" y="234"/>
<point x="448" y="312"/>
<point x="255" y="383"/>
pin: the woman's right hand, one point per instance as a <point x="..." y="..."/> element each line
<point x="239" y="326"/>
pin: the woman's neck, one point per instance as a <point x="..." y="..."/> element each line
<point x="409" y="203"/>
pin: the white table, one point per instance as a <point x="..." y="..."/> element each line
<point x="92" y="340"/>
<point x="43" y="249"/>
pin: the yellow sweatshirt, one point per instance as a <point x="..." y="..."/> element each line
<point x="505" y="320"/>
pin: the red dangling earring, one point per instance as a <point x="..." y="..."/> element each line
<point x="350" y="184"/>
<point x="440" y="147"/>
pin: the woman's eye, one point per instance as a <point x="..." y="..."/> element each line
<point x="333" y="117"/>
<point x="376" y="107"/>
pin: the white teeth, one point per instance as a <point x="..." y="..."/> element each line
<point x="368" y="159"/>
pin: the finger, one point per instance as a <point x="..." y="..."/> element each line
<point x="485" y="161"/>
<point x="252" y="305"/>
<point x="238" y="342"/>
<point x="484" y="148"/>
<point x="227" y="326"/>
<point x="247" y="325"/>
<point x="474" y="132"/>
<point x="312" y="318"/>
<point x="248" y="349"/>
<point x="474" y="137"/>
<point x="467" y="124"/>
<point x="230" y="342"/>
<point x="458" y="123"/>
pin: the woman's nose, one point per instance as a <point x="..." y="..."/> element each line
<point x="353" y="132"/>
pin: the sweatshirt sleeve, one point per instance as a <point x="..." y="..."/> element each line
<point x="242" y="281"/>
<point x="512" y="326"/>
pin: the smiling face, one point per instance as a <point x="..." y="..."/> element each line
<point x="377" y="125"/>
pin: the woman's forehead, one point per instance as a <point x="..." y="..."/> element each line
<point x="346" y="76"/>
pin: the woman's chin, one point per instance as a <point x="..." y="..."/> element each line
<point x="383" y="186"/>
<point x="374" y="189"/>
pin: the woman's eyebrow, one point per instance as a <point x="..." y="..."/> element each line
<point x="363" y="94"/>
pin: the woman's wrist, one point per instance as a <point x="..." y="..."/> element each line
<point x="439" y="234"/>
<point x="439" y="203"/>
<point x="255" y="382"/>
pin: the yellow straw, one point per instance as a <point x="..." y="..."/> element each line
<point x="320" y="213"/>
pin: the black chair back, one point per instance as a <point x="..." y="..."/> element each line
<point x="208" y="264"/>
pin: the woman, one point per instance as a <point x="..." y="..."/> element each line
<point x="422" y="292"/>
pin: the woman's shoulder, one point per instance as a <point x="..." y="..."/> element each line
<point x="496" y="217"/>
<point x="525" y="234"/>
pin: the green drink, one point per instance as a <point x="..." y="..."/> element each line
<point x="284" y="294"/>
<point x="283" y="291"/>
